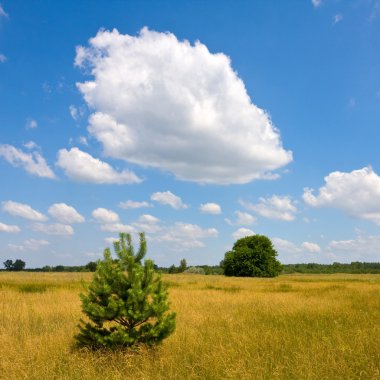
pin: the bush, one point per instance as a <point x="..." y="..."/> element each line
<point x="126" y="302"/>
<point x="195" y="270"/>
<point x="252" y="256"/>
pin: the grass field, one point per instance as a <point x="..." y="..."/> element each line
<point x="290" y="327"/>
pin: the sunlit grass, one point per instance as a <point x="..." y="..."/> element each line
<point x="290" y="327"/>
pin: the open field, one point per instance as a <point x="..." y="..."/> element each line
<point x="290" y="327"/>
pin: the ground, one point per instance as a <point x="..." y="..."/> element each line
<point x="289" y="327"/>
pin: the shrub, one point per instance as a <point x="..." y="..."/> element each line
<point x="195" y="270"/>
<point x="126" y="302"/>
<point x="252" y="256"/>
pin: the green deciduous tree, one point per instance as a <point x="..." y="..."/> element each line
<point x="126" y="303"/>
<point x="252" y="256"/>
<point x="16" y="266"/>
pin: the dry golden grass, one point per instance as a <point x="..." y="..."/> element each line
<point x="291" y="327"/>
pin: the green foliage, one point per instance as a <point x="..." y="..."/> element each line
<point x="195" y="270"/>
<point x="126" y="302"/>
<point x="91" y="266"/>
<point x="182" y="266"/>
<point x="252" y="256"/>
<point x="16" y="266"/>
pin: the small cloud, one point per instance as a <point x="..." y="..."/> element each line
<point x="82" y="167"/>
<point x="316" y="3"/>
<point x="242" y="219"/>
<point x="338" y="18"/>
<point x="76" y="112"/>
<point x="168" y="198"/>
<point x="242" y="232"/>
<point x="275" y="207"/>
<point x="118" y="227"/>
<point x="210" y="208"/>
<point x="32" y="162"/>
<point x="9" y="228"/>
<point x="3" y="58"/>
<point x="310" y="247"/>
<point x="31" y="124"/>
<point x="103" y="215"/>
<point x="64" y="213"/>
<point x="82" y="140"/>
<point x="31" y="145"/>
<point x="132" y="204"/>
<point x="352" y="102"/>
<point x="23" y="210"/>
<point x="54" y="229"/>
<point x="29" y="245"/>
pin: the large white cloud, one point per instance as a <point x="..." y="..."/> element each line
<point x="275" y="207"/>
<point x="33" y="162"/>
<point x="356" y="193"/>
<point x="9" y="228"/>
<point x="64" y="213"/>
<point x="23" y="210"/>
<point x="167" y="104"/>
<point x="82" y="167"/>
<point x="168" y="198"/>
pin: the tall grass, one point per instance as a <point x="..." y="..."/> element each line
<point x="291" y="327"/>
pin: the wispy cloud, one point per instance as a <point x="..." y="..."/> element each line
<point x="32" y="162"/>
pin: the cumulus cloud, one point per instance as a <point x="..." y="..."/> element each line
<point x="361" y="248"/>
<point x="103" y="215"/>
<point x="29" y="245"/>
<point x="242" y="219"/>
<point x="65" y="214"/>
<point x="210" y="208"/>
<point x="242" y="232"/>
<point x="275" y="207"/>
<point x="356" y="193"/>
<point x="23" y="210"/>
<point x="168" y="198"/>
<point x="184" y="236"/>
<point x="287" y="246"/>
<point x="164" y="103"/>
<point x="54" y="229"/>
<point x="9" y="228"/>
<point x="310" y="247"/>
<point x="118" y="227"/>
<point x="147" y="223"/>
<point x="82" y="167"/>
<point x="132" y="204"/>
<point x="32" y="162"/>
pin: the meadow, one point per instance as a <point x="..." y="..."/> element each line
<point x="289" y="327"/>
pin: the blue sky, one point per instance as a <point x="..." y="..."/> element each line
<point x="196" y="122"/>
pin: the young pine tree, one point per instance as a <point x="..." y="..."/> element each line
<point x="126" y="303"/>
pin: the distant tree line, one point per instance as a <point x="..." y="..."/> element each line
<point x="312" y="268"/>
<point x="354" y="267"/>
